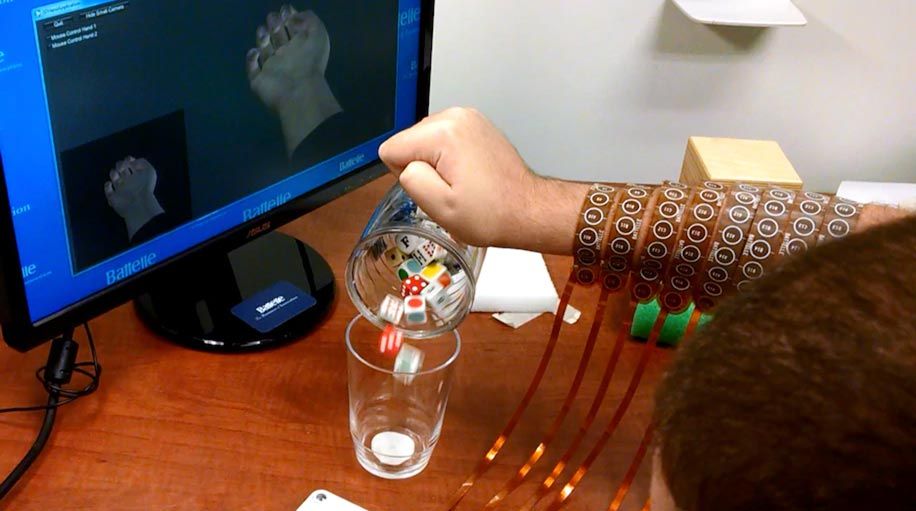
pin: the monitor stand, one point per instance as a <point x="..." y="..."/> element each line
<point x="193" y="305"/>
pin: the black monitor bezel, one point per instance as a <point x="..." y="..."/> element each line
<point x="22" y="334"/>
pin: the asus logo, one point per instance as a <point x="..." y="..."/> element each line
<point x="258" y="230"/>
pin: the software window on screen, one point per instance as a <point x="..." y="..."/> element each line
<point x="168" y="122"/>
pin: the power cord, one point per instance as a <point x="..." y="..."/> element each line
<point x="56" y="373"/>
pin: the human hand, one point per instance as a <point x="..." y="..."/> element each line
<point x="130" y="191"/>
<point x="463" y="172"/>
<point x="286" y="71"/>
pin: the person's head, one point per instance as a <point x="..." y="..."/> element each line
<point x="801" y="393"/>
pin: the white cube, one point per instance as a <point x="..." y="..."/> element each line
<point x="391" y="309"/>
<point x="428" y="252"/>
<point x="436" y="298"/>
<point x="415" y="309"/>
<point x="436" y="272"/>
<point x="408" y="362"/>
<point x="408" y="243"/>
<point x="459" y="283"/>
<point x="390" y="341"/>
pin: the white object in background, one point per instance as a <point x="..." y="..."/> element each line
<point x="514" y="281"/>
<point x="323" y="500"/>
<point x="895" y="194"/>
<point x="743" y="13"/>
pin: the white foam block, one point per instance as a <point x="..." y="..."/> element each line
<point x="896" y="194"/>
<point x="514" y="281"/>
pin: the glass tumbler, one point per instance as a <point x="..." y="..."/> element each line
<point x="397" y="400"/>
<point x="401" y="246"/>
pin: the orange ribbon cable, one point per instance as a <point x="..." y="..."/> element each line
<point x="647" y="438"/>
<point x="500" y="441"/>
<point x="551" y="434"/>
<point x="631" y="472"/>
<point x="570" y="487"/>
<point x="692" y="324"/>
<point x="609" y="370"/>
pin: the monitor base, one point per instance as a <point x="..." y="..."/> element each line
<point x="193" y="306"/>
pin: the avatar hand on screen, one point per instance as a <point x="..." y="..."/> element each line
<point x="286" y="71"/>
<point x="131" y="193"/>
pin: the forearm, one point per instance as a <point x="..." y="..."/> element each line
<point x="142" y="211"/>
<point x="681" y="244"/>
<point x="305" y="111"/>
<point x="554" y="207"/>
<point x="550" y="214"/>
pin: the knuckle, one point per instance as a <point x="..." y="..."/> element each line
<point x="447" y="130"/>
<point x="463" y="114"/>
<point x="453" y="112"/>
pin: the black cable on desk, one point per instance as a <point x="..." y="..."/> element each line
<point x="37" y="446"/>
<point x="54" y="375"/>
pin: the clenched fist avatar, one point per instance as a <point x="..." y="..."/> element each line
<point x="130" y="191"/>
<point x="287" y="68"/>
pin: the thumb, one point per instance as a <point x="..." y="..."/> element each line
<point x="419" y="143"/>
<point x="427" y="188"/>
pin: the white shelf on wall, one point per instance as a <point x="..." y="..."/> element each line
<point x="743" y="13"/>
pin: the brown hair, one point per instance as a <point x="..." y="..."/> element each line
<point x="801" y="394"/>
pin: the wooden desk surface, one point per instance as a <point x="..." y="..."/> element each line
<point x="176" y="429"/>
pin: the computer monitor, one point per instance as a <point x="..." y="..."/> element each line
<point x="144" y="142"/>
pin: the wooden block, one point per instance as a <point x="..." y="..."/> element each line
<point x="730" y="159"/>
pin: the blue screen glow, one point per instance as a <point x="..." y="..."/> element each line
<point x="133" y="131"/>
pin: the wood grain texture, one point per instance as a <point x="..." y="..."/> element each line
<point x="173" y="429"/>
<point x="737" y="160"/>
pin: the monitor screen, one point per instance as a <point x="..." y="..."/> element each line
<point x="132" y="131"/>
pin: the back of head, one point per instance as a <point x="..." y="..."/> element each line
<point x="801" y="394"/>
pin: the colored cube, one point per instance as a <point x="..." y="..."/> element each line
<point x="413" y="286"/>
<point x="436" y="298"/>
<point x="409" y="268"/>
<point x="408" y="363"/>
<point x="391" y="309"/>
<point x="394" y="257"/>
<point x="415" y="310"/>
<point x="428" y="252"/>
<point x="390" y="341"/>
<point x="407" y="243"/>
<point x="436" y="272"/>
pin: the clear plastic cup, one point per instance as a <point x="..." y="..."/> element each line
<point x="397" y="399"/>
<point x="401" y="242"/>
